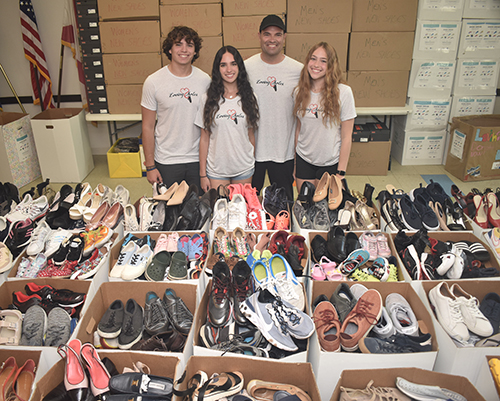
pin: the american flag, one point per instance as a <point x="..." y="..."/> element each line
<point x="70" y="39"/>
<point x="34" y="53"/>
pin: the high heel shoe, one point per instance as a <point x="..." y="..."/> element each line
<point x="440" y="214"/>
<point x="368" y="216"/>
<point x="23" y="381"/>
<point x="493" y="209"/>
<point x="368" y="194"/>
<point x="459" y="196"/>
<point x="75" y="379"/>
<point x="334" y="192"/>
<point x="7" y="373"/>
<point x="95" y="202"/>
<point x="99" y="376"/>
<point x="99" y="214"/>
<point x="83" y="196"/>
<point x="481" y="217"/>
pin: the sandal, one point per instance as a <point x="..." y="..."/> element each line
<point x="193" y="385"/>
<point x="220" y="386"/>
<point x="195" y="247"/>
<point x="368" y="216"/>
<point x="10" y="327"/>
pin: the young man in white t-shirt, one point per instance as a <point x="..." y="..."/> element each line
<point x="273" y="77"/>
<point x="172" y="95"/>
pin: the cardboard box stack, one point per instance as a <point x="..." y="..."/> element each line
<point x="129" y="38"/>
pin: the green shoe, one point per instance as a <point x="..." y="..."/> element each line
<point x="156" y="269"/>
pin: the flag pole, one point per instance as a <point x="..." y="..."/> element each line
<point x="38" y="87"/>
<point x="60" y="76"/>
<point x="12" y="88"/>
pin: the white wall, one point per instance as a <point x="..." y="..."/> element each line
<point x="49" y="14"/>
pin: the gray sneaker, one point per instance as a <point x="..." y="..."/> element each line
<point x="179" y="314"/>
<point x="132" y="327"/>
<point x="423" y="392"/>
<point x="111" y="323"/>
<point x="156" y="319"/>
<point x="321" y="221"/>
<point x="302" y="217"/>
<point x="58" y="327"/>
<point x="343" y="300"/>
<point x="34" y="326"/>
<point x="178" y="267"/>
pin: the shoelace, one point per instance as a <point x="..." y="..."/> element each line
<point x="285" y="316"/>
<point x="401" y="310"/>
<point x="156" y="312"/>
<point x="111" y="320"/>
<point x="128" y="327"/>
<point x="220" y="290"/>
<point x="285" y="287"/>
<point x="362" y="310"/>
<point x="242" y="291"/>
<point x="472" y="306"/>
<point x="324" y="318"/>
<point x="455" y="312"/>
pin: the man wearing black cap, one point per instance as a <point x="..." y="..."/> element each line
<point x="273" y="77"/>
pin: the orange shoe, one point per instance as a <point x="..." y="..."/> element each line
<point x="270" y="221"/>
<point x="250" y="195"/>
<point x="235" y="189"/>
<point x="282" y="221"/>
<point x="89" y="241"/>
<point x="102" y="235"/>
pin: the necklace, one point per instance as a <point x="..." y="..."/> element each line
<point x="231" y="96"/>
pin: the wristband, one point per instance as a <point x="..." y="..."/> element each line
<point x="341" y="173"/>
<point x="203" y="176"/>
<point x="150" y="168"/>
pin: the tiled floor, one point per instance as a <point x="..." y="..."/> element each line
<point x="404" y="177"/>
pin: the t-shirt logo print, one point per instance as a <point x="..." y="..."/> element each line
<point x="232" y="115"/>
<point x="186" y="94"/>
<point x="272" y="83"/>
<point x="313" y="109"/>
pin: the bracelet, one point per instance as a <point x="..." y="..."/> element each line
<point x="203" y="176"/>
<point x="150" y="168"/>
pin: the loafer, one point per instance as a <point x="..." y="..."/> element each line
<point x="138" y="383"/>
<point x="336" y="244"/>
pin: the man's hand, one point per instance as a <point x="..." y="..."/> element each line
<point x="154" y="176"/>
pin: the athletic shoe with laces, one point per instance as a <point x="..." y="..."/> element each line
<point x="55" y="240"/>
<point x="110" y="325"/>
<point x="237" y="346"/>
<point x="58" y="328"/>
<point x="423" y="392"/>
<point x="161" y="244"/>
<point x="256" y="219"/>
<point x="38" y="238"/>
<point x="219" y="304"/>
<point x="123" y="258"/>
<point x="269" y="200"/>
<point x="130" y="218"/>
<point x="380" y="269"/>
<point x="221" y="214"/>
<point x="156" y="319"/>
<point x="396" y="344"/>
<point x="146" y="209"/>
<point x="319" y="215"/>
<point x="211" y="335"/>
<point x="19" y="236"/>
<point x="237" y="212"/>
<point x="250" y="194"/>
<point x="222" y="242"/>
<point x="34" y="327"/>
<point x="180" y="315"/>
<point x="35" y="266"/>
<point x="409" y="214"/>
<point x="21" y="210"/>
<point x="38" y="208"/>
<point x="402" y="315"/>
<point x="301" y="216"/>
<point x="393" y="273"/>
<point x="102" y="235"/>
<point x="243" y="287"/>
<point x="286" y="285"/>
<point x="382" y="246"/>
<point x="369" y="243"/>
<point x="63" y="297"/>
<point x="133" y="326"/>
<point x="354" y="261"/>
<point x="361" y="275"/>
<point x="429" y="218"/>
<point x="137" y="263"/>
<point x="384" y="327"/>
<point x="327" y="323"/>
<point x="343" y="300"/>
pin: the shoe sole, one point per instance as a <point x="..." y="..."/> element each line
<point x="130" y="344"/>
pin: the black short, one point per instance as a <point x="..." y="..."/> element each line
<point x="308" y="171"/>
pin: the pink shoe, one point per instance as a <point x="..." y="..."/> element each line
<point x="250" y="195"/>
<point x="161" y="244"/>
<point x="383" y="246"/>
<point x="172" y="241"/>
<point x="330" y="269"/>
<point x="75" y="379"/>
<point x="369" y="243"/>
<point x="282" y="221"/>
<point x="235" y="189"/>
<point x="317" y="273"/>
<point x="99" y="376"/>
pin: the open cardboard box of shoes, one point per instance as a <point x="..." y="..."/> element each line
<point x="297" y="374"/>
<point x="9" y="287"/>
<point x="454" y="236"/>
<point x="160" y="365"/>
<point x="109" y="292"/>
<point x="328" y="365"/>
<point x="358" y="379"/>
<point x="201" y="318"/>
<point x="464" y="361"/>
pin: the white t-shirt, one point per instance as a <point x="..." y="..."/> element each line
<point x="175" y="100"/>
<point x="273" y="84"/>
<point x="318" y="144"/>
<point x="230" y="152"/>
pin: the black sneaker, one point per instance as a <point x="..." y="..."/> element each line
<point x="243" y="287"/>
<point x="111" y="323"/>
<point x="411" y="261"/>
<point x="409" y="215"/>
<point x="132" y="326"/>
<point x="75" y="248"/>
<point x="391" y="214"/>
<point x="429" y="218"/>
<point x="219" y="304"/>
<point x="396" y="344"/>
<point x="269" y="200"/>
<point x="210" y="335"/>
<point x="156" y="319"/>
<point x="23" y="302"/>
<point x="64" y="298"/>
<point x="19" y="236"/>
<point x="179" y="314"/>
<point x="336" y="244"/>
<point x="436" y="192"/>
<point x="59" y="257"/>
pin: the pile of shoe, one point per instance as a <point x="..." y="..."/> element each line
<point x="162" y="325"/>
<point x="461" y="314"/>
<point x="17" y="381"/>
<point x="482" y="207"/>
<point x="231" y="385"/>
<point x="330" y="205"/>
<point x="343" y="257"/>
<point x="427" y="207"/>
<point x="427" y="258"/>
<point x="403" y="390"/>
<point x="354" y="317"/>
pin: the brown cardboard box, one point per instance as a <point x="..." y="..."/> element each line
<point x="254" y="7"/>
<point x="160" y="365"/>
<point x="210" y="46"/>
<point x="128" y="9"/>
<point x="378" y="88"/>
<point x="369" y="158"/>
<point x="381" y="51"/>
<point x="124" y="99"/>
<point x="298" y="45"/>
<point x="130" y="36"/>
<point x="203" y="18"/>
<point x="474" y="150"/>
<point x="387" y="378"/>
<point x="384" y="15"/>
<point x="171" y="2"/>
<point x="242" y="32"/>
<point x="316" y="16"/>
<point x="246" y="53"/>
<point x="129" y="68"/>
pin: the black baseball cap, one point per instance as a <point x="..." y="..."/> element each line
<point x="272" y="20"/>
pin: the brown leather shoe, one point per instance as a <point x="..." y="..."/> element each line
<point x="176" y="341"/>
<point x="361" y="319"/>
<point x="334" y="192"/>
<point x="322" y="188"/>
<point x="326" y="321"/>
<point x="113" y="215"/>
<point x="154" y="343"/>
<point x="179" y="195"/>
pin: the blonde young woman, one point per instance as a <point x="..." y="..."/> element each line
<point x="324" y="106"/>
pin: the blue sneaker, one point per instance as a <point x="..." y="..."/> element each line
<point x="183" y="244"/>
<point x="354" y="261"/>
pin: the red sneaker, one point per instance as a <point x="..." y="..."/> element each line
<point x="250" y="195"/>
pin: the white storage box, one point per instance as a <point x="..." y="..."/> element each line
<point x="436" y="40"/>
<point x="440" y="10"/>
<point x="481" y="9"/>
<point x="479" y="39"/>
<point x="431" y="79"/>
<point x="471" y="105"/>
<point x="63" y="145"/>
<point x="476" y="77"/>
<point x="418" y="147"/>
<point x="426" y="114"/>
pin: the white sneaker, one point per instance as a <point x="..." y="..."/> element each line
<point x="146" y="207"/>
<point x="473" y="317"/>
<point x="237" y="212"/>
<point x="286" y="284"/>
<point x="357" y="290"/>
<point x="5" y="258"/>
<point x="137" y="263"/>
<point x="21" y="211"/>
<point x="130" y="221"/>
<point x="455" y="271"/>
<point x="55" y="240"/>
<point x="447" y="261"/>
<point x="384" y="327"/>
<point x="123" y="258"/>
<point x="220" y="218"/>
<point x="401" y="314"/>
<point x="38" y="208"/>
<point x="37" y="241"/>
<point x="121" y="195"/>
<point x="448" y="312"/>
